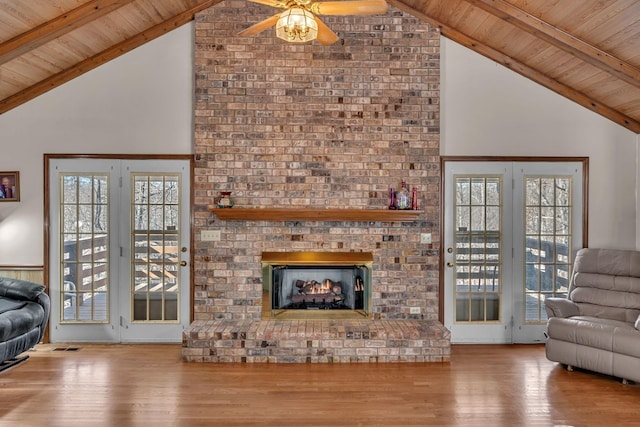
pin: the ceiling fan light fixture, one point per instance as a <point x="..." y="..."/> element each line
<point x="297" y="25"/>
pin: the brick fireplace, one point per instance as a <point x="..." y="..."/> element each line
<point x="316" y="127"/>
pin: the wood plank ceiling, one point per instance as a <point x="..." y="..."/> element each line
<point x="585" y="50"/>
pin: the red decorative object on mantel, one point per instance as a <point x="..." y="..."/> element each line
<point x="414" y="199"/>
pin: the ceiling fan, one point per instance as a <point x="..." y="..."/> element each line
<point x="299" y="23"/>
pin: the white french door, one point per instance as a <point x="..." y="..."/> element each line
<point x="511" y="232"/>
<point x="119" y="250"/>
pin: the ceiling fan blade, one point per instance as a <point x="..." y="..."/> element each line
<point x="260" y="26"/>
<point x="273" y="3"/>
<point x="354" y="7"/>
<point x="325" y="35"/>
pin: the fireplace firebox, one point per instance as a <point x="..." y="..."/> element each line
<point x="316" y="285"/>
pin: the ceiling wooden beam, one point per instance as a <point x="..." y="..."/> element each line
<point x="103" y="57"/>
<point x="560" y="39"/>
<point x="57" y="27"/>
<point x="523" y="69"/>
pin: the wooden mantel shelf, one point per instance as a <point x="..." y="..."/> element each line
<point x="314" y="214"/>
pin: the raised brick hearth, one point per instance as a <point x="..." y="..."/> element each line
<point x="317" y="341"/>
<point x="324" y="127"/>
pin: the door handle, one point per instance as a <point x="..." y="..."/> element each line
<point x="450" y="264"/>
<point x="183" y="263"/>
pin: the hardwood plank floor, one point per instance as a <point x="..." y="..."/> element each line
<point x="149" y="385"/>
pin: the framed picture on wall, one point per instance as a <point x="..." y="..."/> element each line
<point x="9" y="186"/>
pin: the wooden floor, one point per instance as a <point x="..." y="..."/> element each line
<point x="149" y="385"/>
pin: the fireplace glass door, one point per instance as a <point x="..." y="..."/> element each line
<point x="315" y="289"/>
<point x="318" y="288"/>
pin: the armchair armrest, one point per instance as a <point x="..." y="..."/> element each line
<point x="560" y="307"/>
<point x="20" y="290"/>
<point x="45" y="302"/>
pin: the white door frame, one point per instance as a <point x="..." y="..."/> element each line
<point x="494" y="332"/>
<point x="529" y="331"/>
<point x="117" y="329"/>
<point x="132" y="331"/>
<point x="515" y="329"/>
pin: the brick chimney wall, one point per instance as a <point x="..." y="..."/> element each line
<point x="304" y="125"/>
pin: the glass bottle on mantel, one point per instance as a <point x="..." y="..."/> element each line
<point x="403" y="197"/>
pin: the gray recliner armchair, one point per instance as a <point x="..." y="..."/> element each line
<point x="597" y="327"/>
<point x="24" y="314"/>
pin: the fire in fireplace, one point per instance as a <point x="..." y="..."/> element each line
<point x="302" y="285"/>
<point x="313" y="288"/>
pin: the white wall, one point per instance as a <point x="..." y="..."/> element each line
<point x="140" y="102"/>
<point x="492" y="111"/>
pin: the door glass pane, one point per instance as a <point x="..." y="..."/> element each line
<point x="548" y="242"/>
<point x="84" y="294"/>
<point x="477" y="280"/>
<point x="155" y="287"/>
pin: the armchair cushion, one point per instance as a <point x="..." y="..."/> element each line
<point x="7" y="304"/>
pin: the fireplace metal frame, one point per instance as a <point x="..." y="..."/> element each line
<point x="302" y="258"/>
